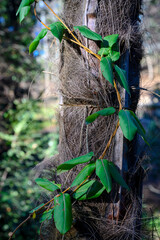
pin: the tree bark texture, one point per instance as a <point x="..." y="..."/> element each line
<point x="84" y="91"/>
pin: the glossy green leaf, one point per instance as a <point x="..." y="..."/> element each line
<point x="127" y="125"/>
<point x="122" y="79"/>
<point x="24" y="3"/>
<point x="45" y="183"/>
<point x="114" y="55"/>
<point x="24" y="12"/>
<point x="57" y="29"/>
<point x="33" y="46"/>
<point x="107" y="111"/>
<point x="33" y="210"/>
<point x="138" y="122"/>
<point x="86" y="32"/>
<point x="95" y="190"/>
<point x="73" y="162"/>
<point x="110" y="39"/>
<point x="84" y="173"/>
<point x="116" y="175"/>
<point x="106" y="69"/>
<point x="81" y="193"/>
<point x="102" y="171"/>
<point x="104" y="51"/>
<point x="47" y="215"/>
<point x="42" y="34"/>
<point x="104" y="112"/>
<point x="63" y="213"/>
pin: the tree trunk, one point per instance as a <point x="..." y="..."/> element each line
<point x="84" y="91"/>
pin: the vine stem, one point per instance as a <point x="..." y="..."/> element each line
<point x="112" y="136"/>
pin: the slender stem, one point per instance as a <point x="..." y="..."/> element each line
<point x="85" y="48"/>
<point x="20" y="226"/>
<point x="35" y="13"/>
<point x="109" y="142"/>
<point x="61" y="21"/>
<point x="118" y="96"/>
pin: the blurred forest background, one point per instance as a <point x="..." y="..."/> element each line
<point x="28" y="113"/>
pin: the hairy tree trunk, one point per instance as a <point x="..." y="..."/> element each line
<point x="84" y="91"/>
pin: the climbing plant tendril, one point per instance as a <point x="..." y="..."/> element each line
<point x="82" y="188"/>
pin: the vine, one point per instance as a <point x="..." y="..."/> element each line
<point x="105" y="170"/>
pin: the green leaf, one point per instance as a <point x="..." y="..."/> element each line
<point x="95" y="190"/>
<point x="24" y="12"/>
<point x="139" y="126"/>
<point x="33" y="210"/>
<point x="127" y="125"/>
<point x="45" y="183"/>
<point x="63" y="213"/>
<point x="106" y="69"/>
<point x="116" y="176"/>
<point x="84" y="173"/>
<point x="86" y="32"/>
<point x="92" y="118"/>
<point x="42" y="34"/>
<point x="110" y="40"/>
<point x="102" y="171"/>
<point x="81" y="193"/>
<point x="104" y="112"/>
<point x="104" y="51"/>
<point x="24" y="3"/>
<point x="47" y="215"/>
<point x="122" y="79"/>
<point x="33" y="46"/>
<point x="57" y="29"/>
<point x="107" y="111"/>
<point x="114" y="55"/>
<point x="73" y="162"/>
<point x="35" y="42"/>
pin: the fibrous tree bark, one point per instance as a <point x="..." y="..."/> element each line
<point x="84" y="91"/>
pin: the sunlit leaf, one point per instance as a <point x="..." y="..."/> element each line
<point x="33" y="46"/>
<point x="45" y="183"/>
<point x="57" y="29"/>
<point x="24" y="3"/>
<point x="102" y="171"/>
<point x="122" y="79"/>
<point x="84" y="173"/>
<point x="86" y="32"/>
<point x="63" y="213"/>
<point x="104" y="51"/>
<point x="127" y="125"/>
<point x="110" y="40"/>
<point x="116" y="175"/>
<point x="24" y="12"/>
<point x="106" y="69"/>
<point x="73" y="162"/>
<point x="104" y="112"/>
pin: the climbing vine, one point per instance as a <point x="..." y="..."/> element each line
<point x="83" y="187"/>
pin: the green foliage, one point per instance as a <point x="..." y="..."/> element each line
<point x="73" y="162"/>
<point x="39" y="206"/>
<point x="47" y="215"/>
<point x="122" y="79"/>
<point x="45" y="183"/>
<point x="83" y="174"/>
<point x="90" y="189"/>
<point x="110" y="40"/>
<point x="35" y="43"/>
<point x="102" y="171"/>
<point x="86" y="32"/>
<point x="24" y="9"/>
<point x="127" y="125"/>
<point x="57" y="29"/>
<point x="104" y="112"/>
<point x="116" y="176"/>
<point x="106" y="69"/>
<point x="63" y="213"/>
